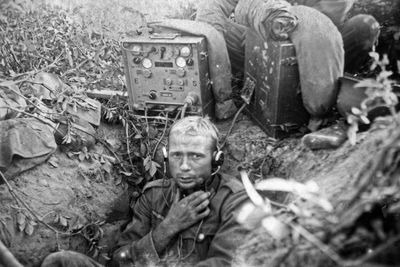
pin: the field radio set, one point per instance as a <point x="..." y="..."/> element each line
<point x="167" y="71"/>
<point x="276" y="105"/>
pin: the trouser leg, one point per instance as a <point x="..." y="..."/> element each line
<point x="69" y="259"/>
<point x="359" y="34"/>
<point x="216" y="13"/>
<point x="235" y="40"/>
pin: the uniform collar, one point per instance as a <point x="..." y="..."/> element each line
<point x="210" y="186"/>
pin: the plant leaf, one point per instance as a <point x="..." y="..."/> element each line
<point x="126" y="173"/>
<point x="81" y="156"/>
<point x="21" y="218"/>
<point x="254" y="196"/>
<point x="352" y="133"/>
<point x="63" y="221"/>
<point x="275" y="227"/>
<point x="250" y="216"/>
<point x="153" y="168"/>
<point x="29" y="229"/>
<point x="53" y="161"/>
<point x="147" y="163"/>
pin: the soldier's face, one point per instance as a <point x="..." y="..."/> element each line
<point x="190" y="159"/>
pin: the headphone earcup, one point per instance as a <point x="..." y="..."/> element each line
<point x="218" y="158"/>
<point x="165" y="153"/>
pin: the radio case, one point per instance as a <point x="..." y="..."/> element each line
<point x="162" y="85"/>
<point x="276" y="105"/>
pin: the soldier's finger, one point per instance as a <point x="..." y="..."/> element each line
<point x="202" y="206"/>
<point x="204" y="213"/>
<point x="177" y="196"/>
<point x="194" y="195"/>
<point x="199" y="199"/>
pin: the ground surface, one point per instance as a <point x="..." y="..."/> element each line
<point x="84" y="193"/>
<point x="67" y="194"/>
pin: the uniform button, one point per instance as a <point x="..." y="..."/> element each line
<point x="200" y="237"/>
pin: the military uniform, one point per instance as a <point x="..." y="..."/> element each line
<point x="210" y="242"/>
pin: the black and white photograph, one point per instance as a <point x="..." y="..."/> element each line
<point x="206" y="133"/>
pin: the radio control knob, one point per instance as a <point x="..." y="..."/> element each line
<point x="152" y="95"/>
<point x="147" y="73"/>
<point x="168" y="81"/>
<point x="189" y="62"/>
<point x="180" y="72"/>
<point x="180" y="82"/>
<point x="136" y="60"/>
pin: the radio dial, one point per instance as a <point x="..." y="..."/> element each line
<point x="180" y="62"/>
<point x="146" y="63"/>
<point x="147" y="73"/>
<point x="180" y="72"/>
<point x="185" y="51"/>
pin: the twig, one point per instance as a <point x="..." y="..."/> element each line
<point x="7" y="258"/>
<point x="36" y="117"/>
<point x="42" y="84"/>
<point x="147" y="122"/>
<point x="133" y="126"/>
<point x="111" y="150"/>
<point x="232" y="124"/>
<point x="19" y="200"/>
<point x="31" y="73"/>
<point x="153" y="117"/>
<point x="127" y="144"/>
<point x="37" y="199"/>
<point x="160" y="139"/>
<point x="76" y="68"/>
<point x="318" y="243"/>
<point x="24" y="97"/>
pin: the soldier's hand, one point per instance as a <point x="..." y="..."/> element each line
<point x="189" y="210"/>
<point x="281" y="26"/>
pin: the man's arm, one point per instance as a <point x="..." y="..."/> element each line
<point x="269" y="18"/>
<point x="335" y="10"/>
<point x="135" y="243"/>
<point x="230" y="234"/>
<point x="216" y="13"/>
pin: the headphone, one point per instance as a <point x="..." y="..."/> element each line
<point x="216" y="163"/>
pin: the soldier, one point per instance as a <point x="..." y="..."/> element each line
<point x="188" y="219"/>
<point x="360" y="33"/>
<point x="325" y="45"/>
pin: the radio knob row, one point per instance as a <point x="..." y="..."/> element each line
<point x="180" y="82"/>
<point x="147" y="73"/>
<point x="138" y="60"/>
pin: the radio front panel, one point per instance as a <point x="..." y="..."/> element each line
<point x="163" y="70"/>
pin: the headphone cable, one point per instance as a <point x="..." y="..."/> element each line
<point x="194" y="243"/>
